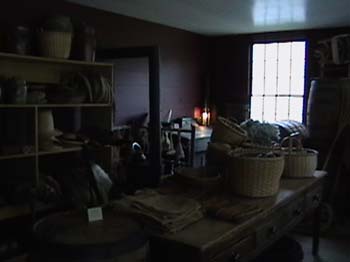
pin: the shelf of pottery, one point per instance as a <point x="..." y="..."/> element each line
<point x="44" y="104"/>
<point x="333" y="55"/>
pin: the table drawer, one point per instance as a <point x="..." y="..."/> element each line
<point x="314" y="198"/>
<point x="240" y="249"/>
<point x="270" y="230"/>
<point x="295" y="211"/>
<point x="284" y="219"/>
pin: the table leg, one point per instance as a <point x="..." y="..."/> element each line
<point x="316" y="231"/>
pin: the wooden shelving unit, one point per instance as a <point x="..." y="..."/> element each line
<point x="42" y="153"/>
<point x="22" y="258"/>
<point x="9" y="212"/>
<point x="60" y="151"/>
<point x="48" y="70"/>
<point x="54" y="105"/>
<point x="331" y="70"/>
<point x="43" y="70"/>
<point x="16" y="156"/>
<point x="36" y="59"/>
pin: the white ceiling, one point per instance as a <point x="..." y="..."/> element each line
<point x="220" y="17"/>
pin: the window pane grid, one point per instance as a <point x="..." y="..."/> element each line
<point x="278" y="81"/>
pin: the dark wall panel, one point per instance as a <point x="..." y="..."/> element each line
<point x="131" y="89"/>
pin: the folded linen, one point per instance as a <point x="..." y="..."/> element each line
<point x="165" y="213"/>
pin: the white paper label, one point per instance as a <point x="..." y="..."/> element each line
<point x="95" y="214"/>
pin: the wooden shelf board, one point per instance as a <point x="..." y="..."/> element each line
<point x="60" y="151"/>
<point x="29" y="58"/>
<point x="9" y="212"/>
<point x="42" y="153"/>
<point x="16" y="156"/>
<point x="21" y="258"/>
<point x="53" y="105"/>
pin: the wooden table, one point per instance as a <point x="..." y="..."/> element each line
<point x="216" y="240"/>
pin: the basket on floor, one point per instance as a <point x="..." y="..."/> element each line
<point x="55" y="44"/>
<point x="226" y="131"/>
<point x="251" y="175"/>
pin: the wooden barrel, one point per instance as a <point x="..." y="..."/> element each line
<point x="322" y="115"/>
<point x="288" y="127"/>
<point x="68" y="236"/>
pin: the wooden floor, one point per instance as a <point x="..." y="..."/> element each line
<point x="334" y="246"/>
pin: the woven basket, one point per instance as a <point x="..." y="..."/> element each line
<point x="226" y="131"/>
<point x="55" y="44"/>
<point x="201" y="177"/>
<point x="299" y="162"/>
<point x="254" y="176"/>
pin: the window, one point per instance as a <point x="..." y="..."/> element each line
<point x="278" y="81"/>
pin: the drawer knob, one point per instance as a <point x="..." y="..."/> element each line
<point x="235" y="257"/>
<point x="298" y="212"/>
<point x="273" y="230"/>
<point x="316" y="198"/>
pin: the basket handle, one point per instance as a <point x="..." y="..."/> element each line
<point x="294" y="138"/>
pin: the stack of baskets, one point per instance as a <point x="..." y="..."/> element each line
<point x="257" y="171"/>
<point x="226" y="131"/>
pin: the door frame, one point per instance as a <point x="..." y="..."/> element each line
<point x="152" y="53"/>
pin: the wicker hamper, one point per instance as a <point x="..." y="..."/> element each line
<point x="299" y="161"/>
<point x="206" y="178"/>
<point x="253" y="176"/>
<point x="226" y="131"/>
<point x="55" y="44"/>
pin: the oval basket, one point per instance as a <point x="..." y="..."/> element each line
<point x="201" y="177"/>
<point x="55" y="44"/>
<point x="254" y="176"/>
<point x="226" y="131"/>
<point x="299" y="162"/>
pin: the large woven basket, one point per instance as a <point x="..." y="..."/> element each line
<point x="226" y="131"/>
<point x="55" y="44"/>
<point x="252" y="176"/>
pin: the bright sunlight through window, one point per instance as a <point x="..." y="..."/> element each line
<point x="278" y="81"/>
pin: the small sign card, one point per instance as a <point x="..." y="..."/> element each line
<point x="95" y="214"/>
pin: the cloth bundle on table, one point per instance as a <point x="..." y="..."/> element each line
<point x="164" y="213"/>
<point x="219" y="205"/>
<point x="223" y="208"/>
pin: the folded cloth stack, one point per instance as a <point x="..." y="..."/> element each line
<point x="164" y="213"/>
<point x="223" y="208"/>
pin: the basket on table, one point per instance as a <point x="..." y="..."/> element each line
<point x="226" y="131"/>
<point x="201" y="177"/>
<point x="55" y="44"/>
<point x="299" y="162"/>
<point x="254" y="173"/>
